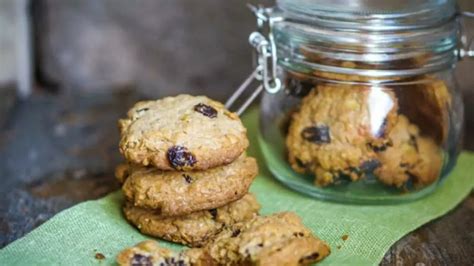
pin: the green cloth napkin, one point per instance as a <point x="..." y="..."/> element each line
<point x="75" y="235"/>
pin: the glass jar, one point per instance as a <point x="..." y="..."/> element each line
<point x="368" y="110"/>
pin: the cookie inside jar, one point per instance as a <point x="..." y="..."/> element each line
<point x="375" y="137"/>
<point x="348" y="128"/>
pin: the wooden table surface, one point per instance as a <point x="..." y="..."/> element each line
<point x="58" y="150"/>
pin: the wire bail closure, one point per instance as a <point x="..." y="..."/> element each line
<point x="266" y="60"/>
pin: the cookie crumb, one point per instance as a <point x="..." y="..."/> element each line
<point x="99" y="256"/>
<point x="345" y="237"/>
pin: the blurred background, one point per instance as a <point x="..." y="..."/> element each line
<point x="154" y="47"/>
<point x="69" y="69"/>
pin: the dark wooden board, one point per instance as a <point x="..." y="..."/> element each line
<point x="56" y="151"/>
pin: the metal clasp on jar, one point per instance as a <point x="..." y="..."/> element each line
<point x="266" y="60"/>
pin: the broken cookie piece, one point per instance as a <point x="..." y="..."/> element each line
<point x="278" y="239"/>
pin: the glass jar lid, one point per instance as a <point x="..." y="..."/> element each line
<point x="370" y="14"/>
<point x="366" y="37"/>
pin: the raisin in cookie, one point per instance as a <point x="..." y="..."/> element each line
<point x="182" y="133"/>
<point x="411" y="158"/>
<point x="174" y="193"/>
<point x="337" y="129"/>
<point x="149" y="253"/>
<point x="278" y="239"/>
<point x="194" y="229"/>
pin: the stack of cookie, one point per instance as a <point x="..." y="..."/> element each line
<point x="187" y="175"/>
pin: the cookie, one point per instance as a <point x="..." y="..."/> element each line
<point x="194" y="229"/>
<point x="337" y="130"/>
<point x="411" y="158"/>
<point x="173" y="193"/>
<point x="182" y="133"/>
<point x="428" y="104"/>
<point x="278" y="239"/>
<point x="149" y="253"/>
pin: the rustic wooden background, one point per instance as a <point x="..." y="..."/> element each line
<point x="95" y="58"/>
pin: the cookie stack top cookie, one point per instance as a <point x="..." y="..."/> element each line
<point x="182" y="133"/>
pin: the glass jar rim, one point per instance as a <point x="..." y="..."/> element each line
<point x="358" y="79"/>
<point x="374" y="15"/>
